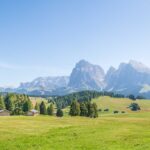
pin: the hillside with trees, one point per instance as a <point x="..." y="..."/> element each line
<point x="17" y="104"/>
<point x="84" y="96"/>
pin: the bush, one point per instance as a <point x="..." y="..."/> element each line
<point x="99" y="110"/>
<point x="123" y="112"/>
<point x="134" y="107"/>
<point x="116" y="112"/>
<point x="106" y="109"/>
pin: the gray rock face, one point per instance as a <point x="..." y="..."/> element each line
<point x="87" y="76"/>
<point x="128" y="78"/>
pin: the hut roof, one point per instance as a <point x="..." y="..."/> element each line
<point x="34" y="111"/>
<point x="2" y="110"/>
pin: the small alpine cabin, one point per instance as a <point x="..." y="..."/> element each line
<point x="4" y="112"/>
<point x="32" y="112"/>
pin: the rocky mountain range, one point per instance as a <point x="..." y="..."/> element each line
<point x="128" y="78"/>
<point x="45" y="83"/>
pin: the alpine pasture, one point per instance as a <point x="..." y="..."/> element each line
<point x="128" y="131"/>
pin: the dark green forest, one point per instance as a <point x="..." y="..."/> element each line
<point x="83" y="96"/>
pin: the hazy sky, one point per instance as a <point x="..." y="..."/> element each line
<point x="47" y="37"/>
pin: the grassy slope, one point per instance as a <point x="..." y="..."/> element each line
<point x="120" y="104"/>
<point x="128" y="131"/>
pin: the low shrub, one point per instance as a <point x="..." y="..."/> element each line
<point x="99" y="110"/>
<point x="116" y="112"/>
<point x="123" y="112"/>
<point x="106" y="109"/>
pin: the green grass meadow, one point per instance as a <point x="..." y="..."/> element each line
<point x="120" y="104"/>
<point x="129" y="131"/>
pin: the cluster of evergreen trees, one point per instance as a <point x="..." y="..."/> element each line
<point x="64" y="101"/>
<point x="20" y="104"/>
<point x="83" y="96"/>
<point x="48" y="110"/>
<point x="86" y="109"/>
<point x="17" y="104"/>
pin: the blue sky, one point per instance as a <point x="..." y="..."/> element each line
<point x="47" y="37"/>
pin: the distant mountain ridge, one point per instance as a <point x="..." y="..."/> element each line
<point x="128" y="78"/>
<point x="46" y="83"/>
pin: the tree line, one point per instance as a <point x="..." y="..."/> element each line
<point x="20" y="104"/>
<point x="80" y="103"/>
<point x="64" y="101"/>
<point x="15" y="103"/>
<point x="85" y="96"/>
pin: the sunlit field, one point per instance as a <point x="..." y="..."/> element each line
<point x="129" y="131"/>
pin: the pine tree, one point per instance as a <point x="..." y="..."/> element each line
<point x="83" y="109"/>
<point x="50" y="110"/>
<point x="43" y="110"/>
<point x="95" y="110"/>
<point x="90" y="110"/>
<point x="9" y="102"/>
<point x="59" y="113"/>
<point x="27" y="106"/>
<point x="75" y="109"/>
<point x="2" y="105"/>
<point x="37" y="107"/>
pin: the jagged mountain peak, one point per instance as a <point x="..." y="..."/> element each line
<point x="111" y="69"/>
<point x="139" y="66"/>
<point x="82" y="62"/>
<point x="86" y="76"/>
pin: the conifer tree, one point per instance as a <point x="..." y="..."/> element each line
<point x="95" y="110"/>
<point x="2" y="105"/>
<point x="43" y="110"/>
<point x="90" y="109"/>
<point x="83" y="109"/>
<point x="9" y="102"/>
<point x="50" y="110"/>
<point x="75" y="109"/>
<point x="27" y="106"/>
<point x="59" y="113"/>
<point x="37" y="107"/>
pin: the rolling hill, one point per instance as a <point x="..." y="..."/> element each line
<point x="120" y="104"/>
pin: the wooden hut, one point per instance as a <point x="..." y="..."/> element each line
<point x="32" y="112"/>
<point x="4" y="113"/>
